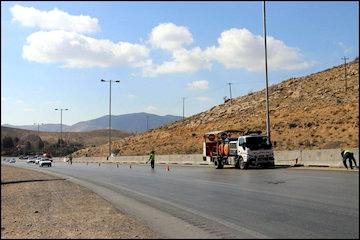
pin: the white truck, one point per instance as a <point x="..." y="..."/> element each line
<point x="238" y="148"/>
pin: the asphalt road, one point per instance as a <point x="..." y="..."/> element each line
<point x="202" y="202"/>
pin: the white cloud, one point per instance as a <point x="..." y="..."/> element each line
<point x="131" y="96"/>
<point x="29" y="109"/>
<point x="201" y="84"/>
<point x="54" y="20"/>
<point x="151" y="109"/>
<point x="345" y="48"/>
<point x="77" y="51"/>
<point x="239" y="48"/>
<point x="203" y="99"/>
<point x="183" y="61"/>
<point x="19" y="101"/>
<point x="169" y="36"/>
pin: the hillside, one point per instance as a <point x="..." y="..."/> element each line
<point x="133" y="122"/>
<point x="309" y="112"/>
<point x="87" y="138"/>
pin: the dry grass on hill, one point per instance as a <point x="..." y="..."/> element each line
<point x="309" y="112"/>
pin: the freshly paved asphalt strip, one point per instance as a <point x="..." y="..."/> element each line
<point x="202" y="202"/>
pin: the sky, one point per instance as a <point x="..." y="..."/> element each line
<point x="54" y="54"/>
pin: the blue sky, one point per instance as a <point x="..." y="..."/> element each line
<point x="160" y="51"/>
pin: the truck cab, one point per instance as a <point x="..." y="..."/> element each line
<point x="254" y="150"/>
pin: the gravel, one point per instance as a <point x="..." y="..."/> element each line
<point x="59" y="209"/>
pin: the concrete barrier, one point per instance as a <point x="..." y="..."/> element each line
<point x="321" y="157"/>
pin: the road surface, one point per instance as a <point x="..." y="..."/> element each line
<point x="202" y="202"/>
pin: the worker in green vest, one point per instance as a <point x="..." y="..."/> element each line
<point x="348" y="155"/>
<point x="152" y="159"/>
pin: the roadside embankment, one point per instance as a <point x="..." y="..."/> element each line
<point x="38" y="205"/>
<point x="307" y="158"/>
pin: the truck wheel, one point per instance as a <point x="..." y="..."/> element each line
<point x="218" y="164"/>
<point x="271" y="166"/>
<point x="237" y="163"/>
<point x="243" y="165"/>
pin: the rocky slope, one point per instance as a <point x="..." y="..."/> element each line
<point x="308" y="112"/>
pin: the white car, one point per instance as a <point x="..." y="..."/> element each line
<point x="37" y="160"/>
<point x="12" y="160"/>
<point x="30" y="160"/>
<point x="45" y="162"/>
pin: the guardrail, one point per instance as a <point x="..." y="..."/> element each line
<point x="321" y="157"/>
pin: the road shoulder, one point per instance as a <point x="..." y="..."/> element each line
<point x="39" y="205"/>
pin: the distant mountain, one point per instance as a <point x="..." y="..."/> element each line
<point x="90" y="138"/>
<point x="133" y="122"/>
<point x="51" y="127"/>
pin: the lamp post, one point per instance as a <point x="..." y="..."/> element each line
<point x="110" y="81"/>
<point x="183" y="100"/>
<point x="61" y="110"/>
<point x="266" y="78"/>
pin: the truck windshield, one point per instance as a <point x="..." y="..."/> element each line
<point x="256" y="143"/>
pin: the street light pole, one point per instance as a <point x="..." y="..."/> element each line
<point x="183" y="107"/>
<point x="230" y="90"/>
<point x="61" y="110"/>
<point x="110" y="81"/>
<point x="266" y="77"/>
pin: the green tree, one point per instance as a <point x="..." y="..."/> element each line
<point x="7" y="143"/>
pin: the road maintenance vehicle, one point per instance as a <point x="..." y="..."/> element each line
<point x="241" y="149"/>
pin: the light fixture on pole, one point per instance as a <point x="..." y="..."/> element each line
<point x="61" y="110"/>
<point x="110" y="81"/>
<point x="266" y="78"/>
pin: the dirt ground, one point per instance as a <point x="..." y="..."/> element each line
<point x="58" y="208"/>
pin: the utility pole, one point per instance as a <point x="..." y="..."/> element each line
<point x="183" y="107"/>
<point x="110" y="81"/>
<point x="147" y="122"/>
<point x="61" y="110"/>
<point x="38" y="128"/>
<point x="345" y="58"/>
<point x="266" y="78"/>
<point x="230" y="89"/>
